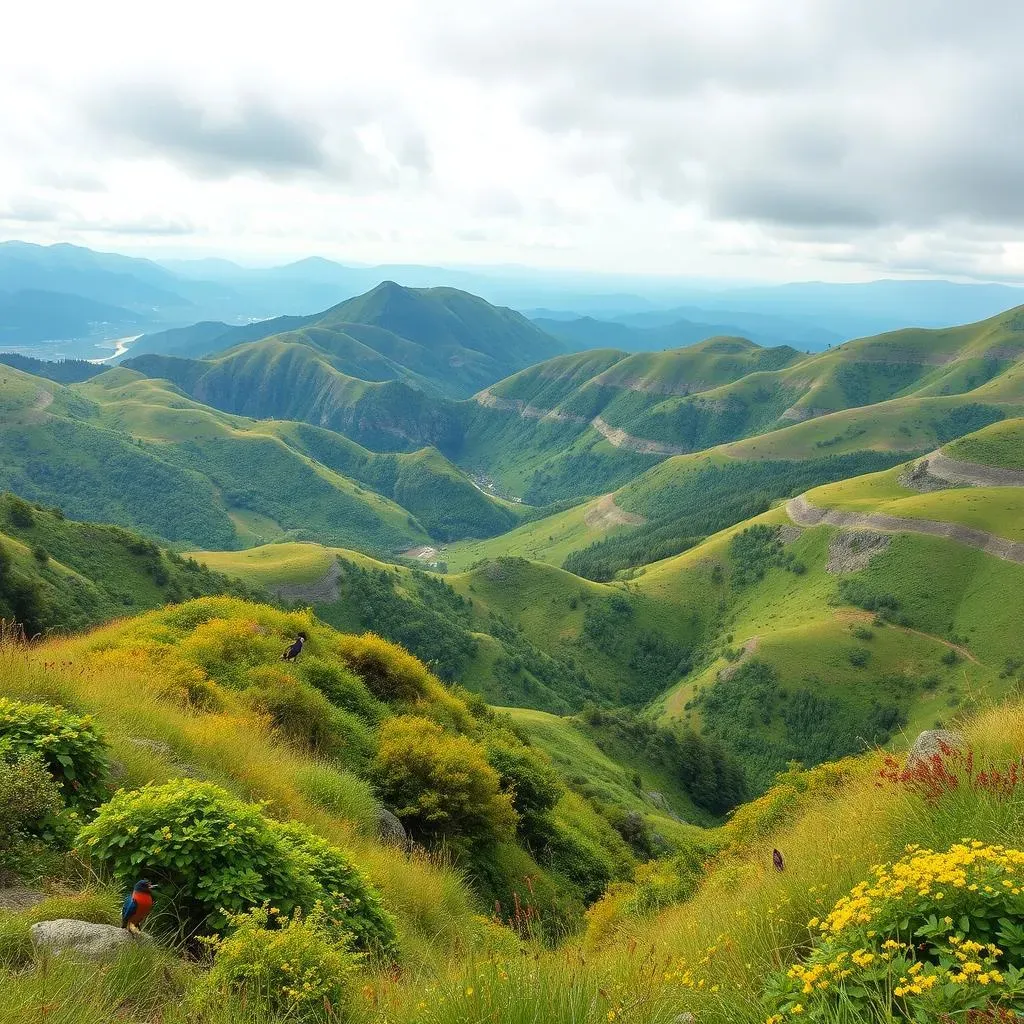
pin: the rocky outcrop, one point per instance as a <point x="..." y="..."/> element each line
<point x="931" y="742"/>
<point x="390" y="828"/>
<point x="81" y="938"/>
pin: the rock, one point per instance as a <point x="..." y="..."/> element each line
<point x="931" y="742"/>
<point x="81" y="938"/>
<point x="390" y="828"/>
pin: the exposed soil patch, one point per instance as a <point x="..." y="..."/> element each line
<point x="801" y="511"/>
<point x="850" y="552"/>
<point x="17" y="899"/>
<point x="604" y="514"/>
<point x="972" y="474"/>
<point x="323" y="591"/>
<point x="620" y="439"/>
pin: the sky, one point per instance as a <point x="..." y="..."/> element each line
<point x="750" y="139"/>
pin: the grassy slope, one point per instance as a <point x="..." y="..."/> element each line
<point x="1001" y="444"/>
<point x="91" y="573"/>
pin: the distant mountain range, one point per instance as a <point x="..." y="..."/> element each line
<point x="138" y="295"/>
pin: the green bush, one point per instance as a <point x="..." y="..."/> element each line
<point x="289" y="969"/>
<point x="390" y="673"/>
<point x="214" y="855"/>
<point x="352" y="906"/>
<point x="341" y="687"/>
<point x="306" y="717"/>
<point x="70" y="747"/>
<point x="440" y="785"/>
<point x="930" y="937"/>
<point x="529" y="777"/>
<point x="95" y="907"/>
<point x="33" y="822"/>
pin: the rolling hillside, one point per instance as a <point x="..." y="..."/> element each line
<point x="125" y="449"/>
<point x="438" y="340"/>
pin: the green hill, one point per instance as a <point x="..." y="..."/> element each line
<point x="58" y="575"/>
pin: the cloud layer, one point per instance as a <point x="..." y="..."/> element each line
<point x="814" y="138"/>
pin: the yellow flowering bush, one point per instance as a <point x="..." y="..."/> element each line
<point x="290" y="968"/>
<point x="931" y="934"/>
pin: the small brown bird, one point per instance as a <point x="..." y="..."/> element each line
<point x="777" y="860"/>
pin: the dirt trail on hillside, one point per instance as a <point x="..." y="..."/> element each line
<point x="802" y="512"/>
<point x="605" y="514"/>
<point x="749" y="649"/>
<point x="322" y="591"/>
<point x="856" y="615"/>
<point x="43" y="400"/>
<point x="974" y="474"/>
<point x="615" y="436"/>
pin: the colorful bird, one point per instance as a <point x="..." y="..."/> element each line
<point x="137" y="905"/>
<point x="296" y="648"/>
<point x="777" y="860"/>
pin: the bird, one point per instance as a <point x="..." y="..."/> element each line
<point x="296" y="648"/>
<point x="137" y="905"/>
<point x="777" y="860"/>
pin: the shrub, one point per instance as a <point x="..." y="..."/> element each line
<point x="19" y="512"/>
<point x="32" y="818"/>
<point x="389" y="672"/>
<point x="931" y="934"/>
<point x="209" y="851"/>
<point x="70" y="747"/>
<point x="341" y="687"/>
<point x="859" y="657"/>
<point x="441" y="785"/>
<point x="293" y="971"/>
<point x="528" y="776"/>
<point x="306" y="717"/>
<point x="950" y="657"/>
<point x="351" y="905"/>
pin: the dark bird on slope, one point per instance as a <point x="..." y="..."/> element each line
<point x="137" y="905"/>
<point x="777" y="860"/>
<point x="296" y="648"/>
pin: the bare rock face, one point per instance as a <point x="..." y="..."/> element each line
<point x="390" y="828"/>
<point x="81" y="938"/>
<point x="931" y="741"/>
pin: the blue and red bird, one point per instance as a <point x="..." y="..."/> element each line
<point x="137" y="905"/>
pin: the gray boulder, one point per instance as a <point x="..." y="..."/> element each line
<point x="390" y="828"/>
<point x="930" y="742"/>
<point x="81" y="938"/>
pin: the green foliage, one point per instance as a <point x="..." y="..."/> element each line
<point x="431" y="621"/>
<point x="63" y="371"/>
<point x="757" y="549"/>
<point x="214" y="855"/>
<point x="15" y="942"/>
<point x="32" y="821"/>
<point x="767" y="725"/>
<point x="933" y="936"/>
<point x="289" y="968"/>
<point x="69" y="746"/>
<point x="440" y="785"/>
<point x="529" y="776"/>
<point x="343" y="689"/>
<point x="965" y="419"/>
<point x="340" y="793"/>
<point x="21" y="598"/>
<point x="352" y="907"/>
<point x="306" y="717"/>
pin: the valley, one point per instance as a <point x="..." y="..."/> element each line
<point x="586" y="628"/>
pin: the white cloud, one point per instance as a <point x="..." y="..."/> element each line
<point x="813" y="138"/>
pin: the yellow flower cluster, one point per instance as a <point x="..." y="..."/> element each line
<point x="924" y="873"/>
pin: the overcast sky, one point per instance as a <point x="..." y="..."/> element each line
<point x="839" y="139"/>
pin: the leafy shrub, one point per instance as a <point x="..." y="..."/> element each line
<point x="528" y="776"/>
<point x="306" y="717"/>
<point x="352" y="906"/>
<point x="288" y="968"/>
<point x="227" y="649"/>
<point x="209" y="851"/>
<point x="859" y="657"/>
<point x="19" y="512"/>
<point x="341" y="687"/>
<point x="69" y="746"/>
<point x="389" y="672"/>
<point x="32" y="819"/>
<point x="441" y="785"/>
<point x="949" y="657"/>
<point x="931" y="934"/>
